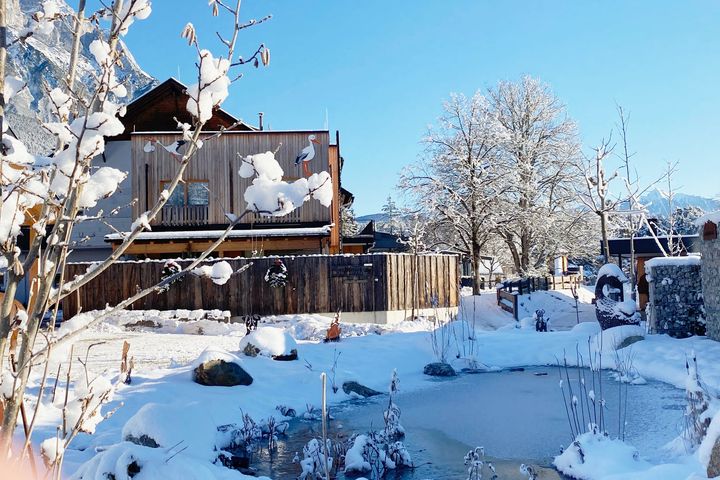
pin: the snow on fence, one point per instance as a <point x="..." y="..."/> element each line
<point x="315" y="284"/>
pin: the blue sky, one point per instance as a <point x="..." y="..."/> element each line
<point x="381" y="70"/>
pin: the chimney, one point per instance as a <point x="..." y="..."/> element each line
<point x="260" y="117"/>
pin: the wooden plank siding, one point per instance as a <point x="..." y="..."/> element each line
<point x="316" y="284"/>
<point x="218" y="162"/>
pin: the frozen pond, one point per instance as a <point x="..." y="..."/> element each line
<point x="517" y="416"/>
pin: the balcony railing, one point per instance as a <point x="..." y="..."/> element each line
<point x="184" y="215"/>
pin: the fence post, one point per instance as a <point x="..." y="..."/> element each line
<point x="515" y="307"/>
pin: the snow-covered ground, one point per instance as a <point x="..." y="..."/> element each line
<point x="368" y="354"/>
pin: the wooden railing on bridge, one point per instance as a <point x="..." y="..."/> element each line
<point x="509" y="290"/>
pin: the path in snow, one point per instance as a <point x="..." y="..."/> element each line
<point x="559" y="306"/>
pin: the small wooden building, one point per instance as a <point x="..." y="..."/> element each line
<point x="198" y="210"/>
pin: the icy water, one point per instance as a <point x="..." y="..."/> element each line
<point x="517" y="416"/>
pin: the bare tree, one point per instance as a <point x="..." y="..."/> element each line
<point x="596" y="195"/>
<point x="457" y="182"/>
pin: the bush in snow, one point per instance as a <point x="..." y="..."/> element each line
<point x="476" y="464"/>
<point x="316" y="460"/>
<point x="698" y="412"/>
<point x="376" y="452"/>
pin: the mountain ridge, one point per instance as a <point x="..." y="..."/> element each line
<point x="42" y="61"/>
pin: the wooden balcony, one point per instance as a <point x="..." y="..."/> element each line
<point x="176" y="215"/>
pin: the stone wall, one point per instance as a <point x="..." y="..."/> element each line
<point x="676" y="299"/>
<point x="710" y="250"/>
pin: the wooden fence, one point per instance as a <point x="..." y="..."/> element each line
<point x="316" y="284"/>
<point x="508" y="291"/>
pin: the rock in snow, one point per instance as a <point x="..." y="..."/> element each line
<point x="439" y="369"/>
<point x="219" y="373"/>
<point x="354" y="388"/>
<point x="270" y="342"/>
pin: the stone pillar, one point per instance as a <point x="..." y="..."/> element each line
<point x="710" y="249"/>
<point x="676" y="296"/>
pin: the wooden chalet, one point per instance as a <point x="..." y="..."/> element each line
<point x="197" y="211"/>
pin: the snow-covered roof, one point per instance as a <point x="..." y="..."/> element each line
<point x="708" y="217"/>
<point x="214" y="234"/>
<point x="673" y="261"/>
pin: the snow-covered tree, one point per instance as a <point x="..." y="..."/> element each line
<point x="540" y="150"/>
<point x="458" y="181"/>
<point x="393" y="221"/>
<point x="49" y="193"/>
<point x="348" y="225"/>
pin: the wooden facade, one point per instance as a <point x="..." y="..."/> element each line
<point x="211" y="187"/>
<point x="217" y="164"/>
<point x="316" y="284"/>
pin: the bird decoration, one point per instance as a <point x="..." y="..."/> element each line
<point x="176" y="149"/>
<point x="306" y="155"/>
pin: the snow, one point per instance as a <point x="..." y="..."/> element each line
<point x="367" y="358"/>
<point x="612" y="270"/>
<point x="261" y="164"/>
<point x="101" y="184"/>
<point x="706" y="447"/>
<point x="708" y="217"/>
<point x="689" y="260"/>
<point x="271" y="341"/>
<point x="596" y="456"/>
<point x="171" y="424"/>
<point x="140" y="222"/>
<point x="52" y="448"/>
<point x="157" y="463"/>
<point x="354" y="461"/>
<point x="212" y="89"/>
<point x="218" y="272"/>
<point x="215" y="353"/>
<point x="609" y="340"/>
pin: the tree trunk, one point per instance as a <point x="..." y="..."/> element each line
<point x="604" y="232"/>
<point x="476" y="269"/>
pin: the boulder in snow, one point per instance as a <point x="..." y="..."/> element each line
<point x="439" y="369"/>
<point x="164" y="425"/>
<point x="616" y="338"/>
<point x="270" y="342"/>
<point x="354" y="388"/>
<point x="713" y="467"/>
<point x="219" y="373"/>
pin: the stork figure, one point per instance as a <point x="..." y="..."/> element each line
<point x="307" y="154"/>
<point x="176" y="149"/>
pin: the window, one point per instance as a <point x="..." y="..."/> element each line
<point x="190" y="193"/>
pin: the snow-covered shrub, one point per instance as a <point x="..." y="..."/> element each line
<point x="475" y="462"/>
<point x="393" y="429"/>
<point x="593" y="456"/>
<point x="317" y="460"/>
<point x="374" y="453"/>
<point x="699" y="410"/>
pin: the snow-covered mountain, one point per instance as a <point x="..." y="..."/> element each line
<point x="43" y="60"/>
<point x="657" y="204"/>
